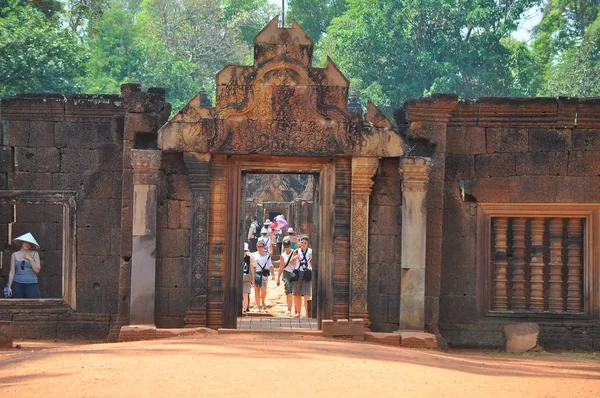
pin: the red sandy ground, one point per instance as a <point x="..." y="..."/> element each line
<point x="273" y="367"/>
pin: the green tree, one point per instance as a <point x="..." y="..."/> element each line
<point x="249" y="16"/>
<point x="37" y="54"/>
<point x="315" y="15"/>
<point x="393" y="51"/>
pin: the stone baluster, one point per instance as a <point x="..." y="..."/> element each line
<point x="555" y="301"/>
<point x="198" y="166"/>
<point x="519" y="301"/>
<point x="415" y="178"/>
<point x="536" y="300"/>
<point x="146" y="165"/>
<point x="574" y="265"/>
<point x="500" y="300"/>
<point x="363" y="170"/>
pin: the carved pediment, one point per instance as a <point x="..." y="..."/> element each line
<point x="280" y="105"/>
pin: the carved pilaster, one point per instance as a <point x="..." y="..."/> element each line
<point x="146" y="165"/>
<point x="198" y="166"/>
<point x="536" y="301"/>
<point x="574" y="266"/>
<point x="555" y="301"/>
<point x="500" y="301"/>
<point x="519" y="301"/>
<point x="415" y="177"/>
<point x="363" y="170"/>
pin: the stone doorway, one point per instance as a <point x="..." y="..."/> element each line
<point x="268" y="195"/>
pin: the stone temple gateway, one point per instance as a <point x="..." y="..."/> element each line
<point x="460" y="217"/>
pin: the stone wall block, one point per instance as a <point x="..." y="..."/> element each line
<point x="110" y="298"/>
<point x="465" y="140"/>
<point x="185" y="214"/>
<point x="458" y="309"/>
<point x="127" y="214"/>
<point x="127" y="188"/>
<point x="109" y="157"/>
<point x="6" y="159"/>
<point x="28" y="181"/>
<point x="102" y="185"/>
<point x="53" y="213"/>
<point x="18" y="133"/>
<point x="126" y="242"/>
<point x="89" y="297"/>
<point x="172" y="163"/>
<point x="434" y="222"/>
<point x="163" y="215"/>
<point x="381" y="249"/>
<point x="549" y="140"/>
<point x="495" y="165"/>
<point x="386" y="219"/>
<point x="578" y="189"/>
<point x="584" y="163"/>
<point x="178" y="187"/>
<point x="77" y="160"/>
<point x="524" y="189"/>
<point x="139" y="123"/>
<point x="503" y="139"/>
<point x="460" y="166"/>
<point x="76" y="135"/>
<point x="542" y="163"/>
<point x="161" y="302"/>
<point x="41" y="134"/>
<point x="378" y="308"/>
<point x="173" y="214"/>
<point x="117" y="127"/>
<point x="97" y="269"/>
<point x="177" y="272"/>
<point x="93" y="241"/>
<point x="115" y="241"/>
<point x="173" y="243"/>
<point x="490" y="190"/>
<point x="179" y="299"/>
<point x="460" y="264"/>
<point x="99" y="213"/>
<point x="30" y="213"/>
<point x="386" y="191"/>
<point x="459" y="224"/>
<point x="586" y="140"/>
<point x="433" y="265"/>
<point x="37" y="159"/>
<point x="67" y="181"/>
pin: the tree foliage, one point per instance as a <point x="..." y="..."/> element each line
<point x="315" y="15"/>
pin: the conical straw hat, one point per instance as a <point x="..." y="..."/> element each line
<point x="27" y="238"/>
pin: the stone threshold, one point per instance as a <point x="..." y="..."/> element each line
<point x="150" y="332"/>
<point x="284" y="332"/>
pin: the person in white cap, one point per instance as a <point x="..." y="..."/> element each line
<point x="24" y="267"/>
<point x="264" y="235"/>
<point x="247" y="281"/>
<point x="261" y="267"/>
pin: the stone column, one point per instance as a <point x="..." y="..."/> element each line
<point x="363" y="170"/>
<point x="146" y="165"/>
<point x="415" y="177"/>
<point x="198" y="166"/>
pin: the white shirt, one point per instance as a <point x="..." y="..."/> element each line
<point x="301" y="258"/>
<point x="291" y="265"/>
<point x="266" y="258"/>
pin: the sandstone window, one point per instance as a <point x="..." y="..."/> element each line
<point x="50" y="216"/>
<point x="539" y="260"/>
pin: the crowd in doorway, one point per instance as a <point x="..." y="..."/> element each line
<point x="295" y="264"/>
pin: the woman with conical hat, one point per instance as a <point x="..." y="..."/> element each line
<point x="24" y="267"/>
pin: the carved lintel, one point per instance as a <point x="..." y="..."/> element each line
<point x="363" y="170"/>
<point x="414" y="171"/>
<point x="145" y="159"/>
<point x="198" y="166"/>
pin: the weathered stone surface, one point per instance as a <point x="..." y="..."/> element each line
<point x="578" y="189"/>
<point x="30" y="213"/>
<point x="37" y="159"/>
<point x="109" y="157"/>
<point x="460" y="166"/>
<point x="382" y="250"/>
<point x="495" y="165"/>
<point x="458" y="309"/>
<point x="67" y="181"/>
<point x="77" y="160"/>
<point x="549" y="140"/>
<point x="542" y="163"/>
<point x="93" y="241"/>
<point x="386" y="219"/>
<point x="184" y="214"/>
<point x="139" y="123"/>
<point x="584" y="163"/>
<point x="521" y="337"/>
<point x="28" y="181"/>
<point x="6" y="159"/>
<point x="417" y="340"/>
<point x="99" y="213"/>
<point x="178" y="187"/>
<point x="102" y="185"/>
<point x="179" y="299"/>
<point x="100" y="269"/>
<point x="177" y="272"/>
<point x="173" y="243"/>
<point x="41" y="134"/>
<point x="533" y="189"/>
<point x="503" y="139"/>
<point x="490" y="190"/>
<point x="465" y="140"/>
<point x="89" y="297"/>
<point x="173" y="214"/>
<point x="383" y="338"/>
<point x="6" y="334"/>
<point x="586" y="140"/>
<point x="354" y="329"/>
<point x="143" y="280"/>
<point x="76" y="135"/>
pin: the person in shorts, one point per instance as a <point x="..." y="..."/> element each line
<point x="287" y="261"/>
<point x="260" y="261"/>
<point x="300" y="287"/>
<point x="247" y="277"/>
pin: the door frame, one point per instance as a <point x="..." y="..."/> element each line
<point x="324" y="169"/>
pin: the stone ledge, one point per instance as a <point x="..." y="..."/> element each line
<point x="353" y="329"/>
<point x="149" y="332"/>
<point x="383" y="338"/>
<point x="286" y="332"/>
<point x="415" y="339"/>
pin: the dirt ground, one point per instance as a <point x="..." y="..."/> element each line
<point x="271" y="366"/>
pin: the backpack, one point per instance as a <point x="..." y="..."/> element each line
<point x="257" y="230"/>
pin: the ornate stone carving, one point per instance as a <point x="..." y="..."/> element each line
<point x="415" y="173"/>
<point x="145" y="163"/>
<point x="536" y="300"/>
<point x="574" y="266"/>
<point x="363" y="170"/>
<point x="519" y="300"/>
<point x="555" y="301"/>
<point x="198" y="166"/>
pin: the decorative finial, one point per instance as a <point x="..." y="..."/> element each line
<point x="204" y="100"/>
<point x="354" y="105"/>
